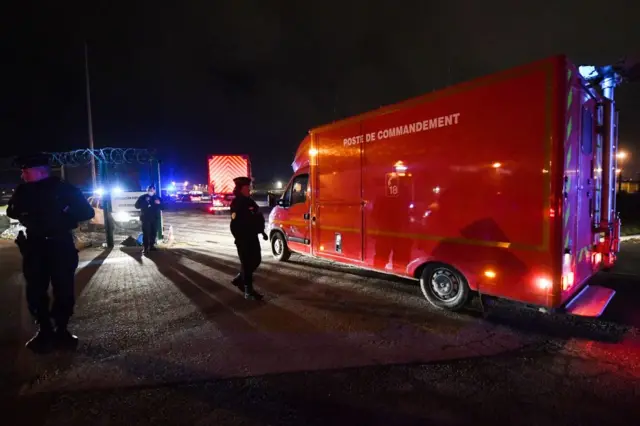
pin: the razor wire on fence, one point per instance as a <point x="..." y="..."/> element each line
<point x="113" y="229"/>
<point x="82" y="157"/>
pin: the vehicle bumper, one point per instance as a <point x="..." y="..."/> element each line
<point x="218" y="208"/>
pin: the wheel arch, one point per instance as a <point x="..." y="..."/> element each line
<point x="274" y="231"/>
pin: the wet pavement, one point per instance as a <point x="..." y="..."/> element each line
<point x="168" y="340"/>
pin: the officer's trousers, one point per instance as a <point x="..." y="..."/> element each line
<point x="149" y="233"/>
<point x="50" y="260"/>
<point x="250" y="256"/>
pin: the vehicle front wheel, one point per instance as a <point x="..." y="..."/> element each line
<point x="444" y="287"/>
<point x="279" y="247"/>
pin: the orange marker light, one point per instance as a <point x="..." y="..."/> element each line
<point x="489" y="273"/>
<point x="567" y="281"/>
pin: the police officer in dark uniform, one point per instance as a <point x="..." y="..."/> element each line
<point x="49" y="208"/>
<point x="246" y="223"/>
<point x="149" y="205"/>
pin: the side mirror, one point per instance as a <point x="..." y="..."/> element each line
<point x="280" y="202"/>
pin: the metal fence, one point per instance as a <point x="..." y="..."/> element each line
<point x="129" y="169"/>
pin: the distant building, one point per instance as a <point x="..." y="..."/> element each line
<point x="630" y="186"/>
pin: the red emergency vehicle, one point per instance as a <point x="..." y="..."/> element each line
<point x="504" y="185"/>
<point x="222" y="170"/>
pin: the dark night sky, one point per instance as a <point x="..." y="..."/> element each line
<point x="193" y="78"/>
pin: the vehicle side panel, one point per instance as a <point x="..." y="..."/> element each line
<point x="464" y="179"/>
<point x="471" y="176"/>
<point x="337" y="228"/>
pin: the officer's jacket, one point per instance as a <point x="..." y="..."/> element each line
<point x="49" y="207"/>
<point x="246" y="219"/>
<point x="148" y="208"/>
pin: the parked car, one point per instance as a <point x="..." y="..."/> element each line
<point x="126" y="218"/>
<point x="220" y="202"/>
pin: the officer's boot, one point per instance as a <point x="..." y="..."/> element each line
<point x="43" y="340"/>
<point x="249" y="292"/>
<point x="63" y="336"/>
<point x="237" y="281"/>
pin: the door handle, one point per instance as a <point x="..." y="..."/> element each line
<point x="306" y="216"/>
<point x="313" y="219"/>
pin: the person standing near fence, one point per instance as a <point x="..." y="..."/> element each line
<point x="150" y="206"/>
<point x="49" y="208"/>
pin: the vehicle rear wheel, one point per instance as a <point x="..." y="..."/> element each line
<point x="279" y="247"/>
<point x="444" y="287"/>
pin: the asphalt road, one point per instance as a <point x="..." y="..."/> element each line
<point x="168" y="340"/>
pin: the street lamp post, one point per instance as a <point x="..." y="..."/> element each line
<point x="89" y="117"/>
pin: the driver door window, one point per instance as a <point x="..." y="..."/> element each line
<point x="296" y="192"/>
<point x="299" y="188"/>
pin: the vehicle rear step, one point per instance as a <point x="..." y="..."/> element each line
<point x="590" y="302"/>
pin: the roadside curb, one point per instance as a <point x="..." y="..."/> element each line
<point x="630" y="237"/>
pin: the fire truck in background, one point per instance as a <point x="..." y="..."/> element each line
<point x="503" y="186"/>
<point x="222" y="170"/>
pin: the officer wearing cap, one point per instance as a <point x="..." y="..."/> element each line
<point x="149" y="205"/>
<point x="49" y="208"/>
<point x="246" y="223"/>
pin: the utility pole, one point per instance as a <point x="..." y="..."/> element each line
<point x="90" y="121"/>
<point x="160" y="231"/>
